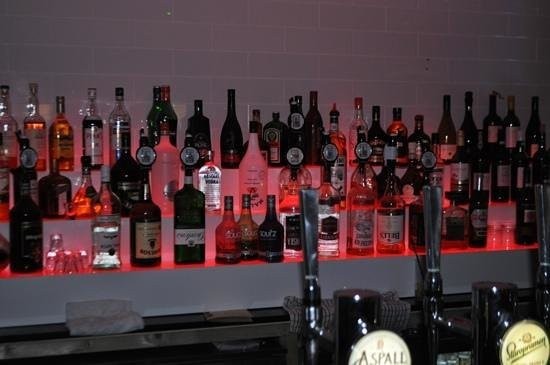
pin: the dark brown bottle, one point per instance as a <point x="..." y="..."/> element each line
<point x="199" y="127"/>
<point x="313" y="129"/>
<point x="126" y="178"/>
<point x="468" y="124"/>
<point x="276" y="138"/>
<point x="377" y="138"/>
<point x="500" y="174"/>
<point x="418" y="141"/>
<point x="231" y="141"/>
<point x="54" y="192"/>
<point x="398" y="129"/>
<point x="532" y="131"/>
<point x="271" y="234"/>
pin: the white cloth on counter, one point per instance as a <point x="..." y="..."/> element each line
<point x="101" y="317"/>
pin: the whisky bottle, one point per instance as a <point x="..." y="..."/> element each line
<point x="231" y="140"/>
<point x="21" y="172"/>
<point x="455" y="226"/>
<point x="249" y="230"/>
<point x="447" y="132"/>
<point x="418" y="142"/>
<point x="165" y="172"/>
<point x="276" y="138"/>
<point x="358" y="125"/>
<point x="228" y="236"/>
<point x="34" y="127"/>
<point x="126" y="178"/>
<point x="81" y="206"/>
<point x="198" y="125"/>
<point x="92" y="131"/>
<point x="253" y="173"/>
<point x="119" y="125"/>
<point x="271" y="234"/>
<point x="398" y="129"/>
<point x="210" y="177"/>
<point x="377" y="138"/>
<point x="54" y="193"/>
<point x="8" y="127"/>
<point x="313" y="124"/>
<point x="61" y="138"/>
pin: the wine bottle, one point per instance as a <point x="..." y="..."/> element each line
<point x="125" y="177"/>
<point x="329" y="199"/>
<point x="81" y="206"/>
<point x="418" y="142"/>
<point x="296" y="122"/>
<point x="8" y="126"/>
<point x="54" y="193"/>
<point x="511" y="125"/>
<point x="61" y="138"/>
<point x="92" y="131"/>
<point x="468" y="126"/>
<point x="398" y="129"/>
<point x="4" y="185"/>
<point x="249" y="230"/>
<point x="357" y="123"/>
<point x="447" y="132"/>
<point x="253" y="173"/>
<point x="198" y="126"/>
<point x="519" y="166"/>
<point x="231" y="140"/>
<point x="106" y="225"/>
<point x="390" y="153"/>
<point x="376" y="138"/>
<point x="500" y="174"/>
<point x="313" y="125"/>
<point x="165" y="174"/>
<point x="276" y="138"/>
<point x="532" y="131"/>
<point x="153" y="118"/>
<point x="228" y="236"/>
<point x="478" y="212"/>
<point x="167" y="114"/>
<point x="526" y="223"/>
<point x="541" y="160"/>
<point x="492" y="126"/>
<point x="460" y="171"/>
<point x="338" y="169"/>
<point x="119" y="125"/>
<point x="271" y="234"/>
<point x="210" y="183"/>
<point x="481" y="165"/>
<point x="35" y="127"/>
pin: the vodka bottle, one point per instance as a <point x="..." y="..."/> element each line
<point x="210" y="183"/>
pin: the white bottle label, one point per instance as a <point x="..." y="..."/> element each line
<point x="106" y="233"/>
<point x="338" y="176"/>
<point x="380" y="347"/>
<point x="529" y="216"/>
<point x="296" y="121"/>
<point x="93" y="144"/>
<point x="210" y="185"/>
<point x="361" y="228"/>
<point x="479" y="218"/>
<point x="390" y="228"/>
<point x="520" y="177"/>
<point x="408" y="194"/>
<point x="189" y="237"/>
<point x="148" y="236"/>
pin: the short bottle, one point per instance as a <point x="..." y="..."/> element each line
<point x="228" y="236"/>
<point x="54" y="193"/>
<point x="106" y="225"/>
<point x="276" y="138"/>
<point x="447" y="132"/>
<point x="81" y="206"/>
<point x="198" y="125"/>
<point x="271" y="234"/>
<point x="119" y="127"/>
<point x="249" y="230"/>
<point x="478" y="212"/>
<point x="377" y="138"/>
<point x="61" y="138"/>
<point x="210" y="177"/>
<point x="165" y="172"/>
<point x="126" y="178"/>
<point x="34" y="127"/>
<point x="455" y="225"/>
<point x="253" y="173"/>
<point x="8" y="127"/>
<point x="92" y="131"/>
<point x="231" y="140"/>
<point x="398" y="129"/>
<point x="418" y="142"/>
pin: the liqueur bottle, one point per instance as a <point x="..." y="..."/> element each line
<point x="447" y="132"/>
<point x="468" y="126"/>
<point x="119" y="125"/>
<point x="153" y="118"/>
<point x="253" y="173"/>
<point x="329" y="201"/>
<point x="106" y="225"/>
<point x="492" y="126"/>
<point x="361" y="200"/>
<point x="500" y="174"/>
<point x="228" y="236"/>
<point x="198" y="126"/>
<point x="165" y="172"/>
<point x="376" y="138"/>
<point x="92" y="131"/>
<point x="4" y="185"/>
<point x="460" y="171"/>
<point x="54" y="193"/>
<point x="249" y="230"/>
<point x="271" y="234"/>
<point x="532" y="131"/>
<point x="29" y="174"/>
<point x="126" y="178"/>
<point x="455" y="225"/>
<point x="313" y="125"/>
<point x="541" y="160"/>
<point x="167" y="114"/>
<point x="61" y="138"/>
<point x="256" y="121"/>
<point x="398" y="129"/>
<point x="519" y="166"/>
<point x="418" y="142"/>
<point x="417" y="237"/>
<point x="189" y="213"/>
<point x="81" y="206"/>
<point x="231" y="141"/>
<point x="478" y="212"/>
<point x="296" y="122"/>
<point x="338" y="169"/>
<point x="526" y="222"/>
<point x="276" y="138"/>
<point x="411" y="182"/>
<point x="390" y="153"/>
<point x="210" y="177"/>
<point x="8" y="127"/>
<point x="34" y="127"/>
<point x="357" y="123"/>
<point x="511" y="125"/>
<point x="26" y="227"/>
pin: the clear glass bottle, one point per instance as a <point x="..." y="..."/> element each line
<point x="461" y="167"/>
<point x="338" y="169"/>
<point x="447" y="132"/>
<point x="271" y="234"/>
<point x="210" y="177"/>
<point x="276" y="138"/>
<point x="34" y="127"/>
<point x="313" y="124"/>
<point x="357" y="123"/>
<point x="253" y="173"/>
<point x="377" y="138"/>
<point x="61" y="138"/>
<point x="92" y="131"/>
<point x="165" y="172"/>
<point x="455" y="226"/>
<point x="119" y="125"/>
<point x="231" y="140"/>
<point x="398" y="129"/>
<point x="198" y="125"/>
<point x="249" y="230"/>
<point x="228" y="236"/>
<point x="81" y="206"/>
<point x="106" y="225"/>
<point x="329" y="216"/>
<point x="8" y="127"/>
<point x="54" y="193"/>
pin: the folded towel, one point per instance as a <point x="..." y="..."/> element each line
<point x="101" y="317"/>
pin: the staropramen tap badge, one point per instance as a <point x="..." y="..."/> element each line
<point x="525" y="343"/>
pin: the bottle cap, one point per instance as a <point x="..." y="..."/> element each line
<point x="119" y="92"/>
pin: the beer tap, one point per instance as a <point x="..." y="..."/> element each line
<point x="542" y="203"/>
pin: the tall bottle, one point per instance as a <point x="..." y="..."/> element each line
<point x="397" y="128"/>
<point x="532" y="131"/>
<point x="313" y="125"/>
<point x="198" y="126"/>
<point x="461" y="165"/>
<point x="210" y="177"/>
<point x="468" y="126"/>
<point x="92" y="131"/>
<point x="358" y="123"/>
<point x="167" y="114"/>
<point x="526" y="222"/>
<point x="296" y="122"/>
<point x="271" y="234"/>
<point x="338" y="169"/>
<point x="125" y="177"/>
<point x="34" y="127"/>
<point x="481" y="163"/>
<point x="478" y="212"/>
<point x="492" y="126"/>
<point x="541" y="160"/>
<point x="447" y="132"/>
<point x="231" y="140"/>
<point x="329" y="201"/>
<point x="228" y="236"/>
<point x="257" y="122"/>
<point x="377" y="138"/>
<point x="81" y="206"/>
<point x="61" y="138"/>
<point x="8" y="127"/>
<point x="4" y="185"/>
<point x="511" y="125"/>
<point x="418" y="142"/>
<point x="253" y="173"/>
<point x="189" y="213"/>
<point x="54" y="193"/>
<point x="119" y="125"/>
<point x="106" y="225"/>
<point x="500" y="174"/>
<point x="165" y="172"/>
<point x="276" y="138"/>
<point x="26" y="226"/>
<point x="518" y="168"/>
<point x="153" y="118"/>
<point x="361" y="200"/>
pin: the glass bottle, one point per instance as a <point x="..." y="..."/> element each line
<point x="461" y="165"/>
<point x="454" y="229"/>
<point x="357" y="123"/>
<point x="390" y="153"/>
<point x="526" y="222"/>
<point x="210" y="177"/>
<point x="231" y="140"/>
<point x="500" y="174"/>
<point x="478" y="212"/>
<point x="418" y="139"/>
<point x="411" y="182"/>
<point x="92" y="131"/>
<point x="145" y="228"/>
<point x="481" y="164"/>
<point x="165" y="172"/>
<point x="492" y="126"/>
<point x="61" y="138"/>
<point x="511" y="125"/>
<point x="8" y="127"/>
<point x="338" y="169"/>
<point x="271" y="234"/>
<point x="4" y="185"/>
<point x="329" y="216"/>
<point x="81" y="206"/>
<point x="447" y="132"/>
<point x="35" y="127"/>
<point x="532" y="131"/>
<point x="541" y="160"/>
<point x="468" y="126"/>
<point x="106" y="225"/>
<point x="313" y="124"/>
<point x="518" y="167"/>
<point x="21" y="172"/>
<point x="361" y="201"/>
<point x="296" y="122"/>
<point x="253" y="173"/>
<point x="167" y="114"/>
<point x="153" y="118"/>
<point x="228" y="236"/>
<point x="276" y="138"/>
<point x="126" y="178"/>
<point x="249" y="230"/>
<point x="198" y="125"/>
<point x="377" y="138"/>
<point x="119" y="125"/>
<point x="397" y="128"/>
<point x="54" y="193"/>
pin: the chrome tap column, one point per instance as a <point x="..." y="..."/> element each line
<point x="542" y="203"/>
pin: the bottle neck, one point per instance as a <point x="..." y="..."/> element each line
<point x="231" y="104"/>
<point x="60" y="107"/>
<point x="145" y="187"/>
<point x="32" y="106"/>
<point x="358" y="113"/>
<point x="91" y="109"/>
<point x="253" y="142"/>
<point x="198" y="109"/>
<point x="271" y="213"/>
<point x="188" y="178"/>
<point x="419" y="126"/>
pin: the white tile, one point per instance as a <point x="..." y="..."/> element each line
<point x="529" y="26"/>
<point x="130" y="9"/>
<point x="212" y="11"/>
<point x="422" y="21"/>
<point x="206" y="63"/>
<point x="435" y="45"/>
<point x="387" y="93"/>
<point x="92" y="32"/>
<point x="475" y="23"/>
<point x="183" y="89"/>
<point x="302" y="40"/>
<point x="17" y="30"/>
<point x="543" y="50"/>
<point x="478" y="71"/>
<point x="25" y="58"/>
<point x="248" y="38"/>
<point x="510" y="6"/>
<point x="285" y="65"/>
<point x="28" y="7"/>
<point x="337" y="15"/>
<point x="329" y="91"/>
<point x="529" y="72"/>
<point x="128" y="61"/>
<point x="507" y="48"/>
<point x="286" y="13"/>
<point x="173" y="35"/>
<point x="385" y="44"/>
<point x="251" y="91"/>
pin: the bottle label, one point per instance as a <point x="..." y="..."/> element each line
<point x="253" y="181"/>
<point x="492" y="133"/>
<point x="361" y="228"/>
<point x="201" y="143"/>
<point x="380" y="347"/>
<point x="511" y="136"/>
<point x="37" y="140"/>
<point x="377" y="156"/>
<point x="436" y="177"/>
<point x="460" y="177"/>
<point x="62" y="147"/>
<point x="61" y="191"/>
<point x="478" y="217"/>
<point x="210" y="185"/>
<point x="328" y="224"/>
<point x="408" y="194"/>
<point x="148" y="236"/>
<point x="106" y="233"/>
<point x="338" y="175"/>
<point x="271" y="242"/>
<point x="31" y="241"/>
<point x="273" y="138"/>
<point x="128" y="192"/>
<point x="415" y="150"/>
<point x="4" y="185"/>
<point x="296" y="121"/>
<point x="390" y="153"/>
<point x="529" y="216"/>
<point x="390" y="228"/>
<point x="520" y="177"/>
<point x="118" y="129"/>
<point x="454" y="228"/>
<point x="9" y="143"/>
<point x="93" y="144"/>
<point x="189" y="237"/>
<point x="447" y="151"/>
<point x="526" y="342"/>
<point x="293" y="240"/>
<point x="503" y="175"/>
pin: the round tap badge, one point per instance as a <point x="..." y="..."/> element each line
<point x="380" y="347"/>
<point x="363" y="151"/>
<point x="330" y="152"/>
<point x="294" y="156"/>
<point x="189" y="156"/>
<point x="28" y="158"/>
<point x="525" y="343"/>
<point x="146" y="156"/>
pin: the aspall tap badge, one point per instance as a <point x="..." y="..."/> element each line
<point x="525" y="343"/>
<point x="379" y="348"/>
